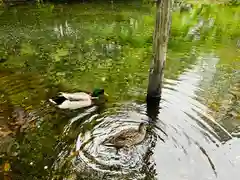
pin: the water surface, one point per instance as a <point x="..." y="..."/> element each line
<point x="192" y="135"/>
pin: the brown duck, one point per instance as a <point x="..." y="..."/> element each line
<point x="127" y="137"/>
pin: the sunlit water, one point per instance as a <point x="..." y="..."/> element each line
<point x="189" y="136"/>
<point x="185" y="141"/>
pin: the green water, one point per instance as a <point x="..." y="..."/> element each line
<point x="80" y="47"/>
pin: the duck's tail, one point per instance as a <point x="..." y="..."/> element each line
<point x="108" y="142"/>
<point x="108" y="145"/>
<point x="57" y="100"/>
<point x="52" y="101"/>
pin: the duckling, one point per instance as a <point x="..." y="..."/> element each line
<point x="77" y="100"/>
<point x="127" y="137"/>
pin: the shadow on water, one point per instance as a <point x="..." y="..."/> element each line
<point x="183" y="140"/>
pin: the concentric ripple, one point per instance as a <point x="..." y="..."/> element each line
<point x="183" y="141"/>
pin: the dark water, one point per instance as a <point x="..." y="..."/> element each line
<point x="193" y="134"/>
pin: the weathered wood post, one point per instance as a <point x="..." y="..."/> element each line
<point x="160" y="41"/>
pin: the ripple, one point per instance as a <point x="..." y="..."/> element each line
<point x="183" y="140"/>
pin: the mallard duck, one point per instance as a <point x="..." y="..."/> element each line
<point x="127" y="137"/>
<point x="77" y="100"/>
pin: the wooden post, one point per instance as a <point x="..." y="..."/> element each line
<point x="160" y="41"/>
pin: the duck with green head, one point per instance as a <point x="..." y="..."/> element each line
<point x="78" y="100"/>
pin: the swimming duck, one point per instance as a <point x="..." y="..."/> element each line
<point x="127" y="137"/>
<point x="78" y="100"/>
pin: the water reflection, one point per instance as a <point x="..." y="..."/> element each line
<point x="63" y="30"/>
<point x="184" y="141"/>
<point x="194" y="137"/>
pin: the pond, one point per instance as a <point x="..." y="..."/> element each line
<point x="47" y="49"/>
